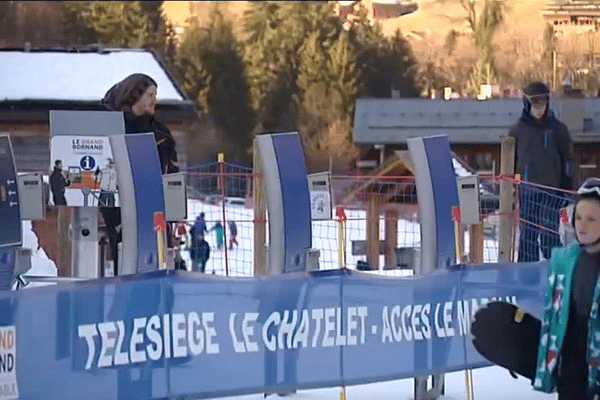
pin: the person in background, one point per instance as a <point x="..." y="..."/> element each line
<point x="544" y="156"/>
<point x="198" y="251"/>
<point x="59" y="180"/>
<point x="200" y="254"/>
<point x="198" y="230"/>
<point x="108" y="184"/>
<point x="219" y="233"/>
<point x="569" y="351"/>
<point x="232" y="234"/>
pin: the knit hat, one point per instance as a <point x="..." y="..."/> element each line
<point x="590" y="189"/>
<point x="536" y="90"/>
<point x="533" y="92"/>
<point x="126" y="93"/>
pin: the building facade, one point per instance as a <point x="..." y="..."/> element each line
<point x="572" y="16"/>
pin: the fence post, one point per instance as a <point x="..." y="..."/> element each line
<point x="476" y="243"/>
<point x="341" y="216"/>
<point x="391" y="238"/>
<point x="373" y="247"/>
<point x="459" y="245"/>
<point x="221" y="161"/>
<point x="506" y="207"/>
<point x="260" y="216"/>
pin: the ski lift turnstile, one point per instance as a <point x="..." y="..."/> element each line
<point x="437" y="192"/>
<point x="140" y="192"/>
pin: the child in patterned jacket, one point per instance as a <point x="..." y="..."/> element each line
<point x="569" y="352"/>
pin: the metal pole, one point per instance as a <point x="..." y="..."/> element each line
<point x="221" y="160"/>
<point x="554" y="70"/>
<point x="459" y="251"/>
<point x="341" y="215"/>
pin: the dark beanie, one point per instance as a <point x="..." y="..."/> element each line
<point x="126" y="93"/>
<point x="536" y="89"/>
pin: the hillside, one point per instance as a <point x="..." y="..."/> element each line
<point x="435" y="17"/>
<point x="179" y="11"/>
<point x="516" y="42"/>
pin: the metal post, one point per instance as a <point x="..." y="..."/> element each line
<point x="459" y="243"/>
<point x="84" y="253"/>
<point x="221" y="160"/>
<point x="341" y="216"/>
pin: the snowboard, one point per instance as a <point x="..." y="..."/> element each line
<point x="507" y="336"/>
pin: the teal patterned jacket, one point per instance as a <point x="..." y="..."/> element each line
<point x="555" y="317"/>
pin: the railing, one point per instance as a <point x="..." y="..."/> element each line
<point x="393" y="200"/>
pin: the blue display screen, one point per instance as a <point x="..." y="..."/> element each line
<point x="10" y="216"/>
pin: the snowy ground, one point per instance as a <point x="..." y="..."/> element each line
<point x="492" y="383"/>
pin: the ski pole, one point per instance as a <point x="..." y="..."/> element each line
<point x="458" y="244"/>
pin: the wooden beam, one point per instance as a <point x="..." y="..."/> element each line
<point x="391" y="239"/>
<point x="260" y="217"/>
<point x="388" y="166"/>
<point x="476" y="243"/>
<point x="373" y="210"/>
<point x="507" y="201"/>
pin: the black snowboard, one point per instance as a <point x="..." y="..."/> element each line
<point x="507" y="338"/>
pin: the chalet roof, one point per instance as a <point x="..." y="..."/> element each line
<point x="36" y="80"/>
<point x="392" y="121"/>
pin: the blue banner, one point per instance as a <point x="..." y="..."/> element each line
<point x="165" y="334"/>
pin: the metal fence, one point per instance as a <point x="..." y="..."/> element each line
<point x="224" y="193"/>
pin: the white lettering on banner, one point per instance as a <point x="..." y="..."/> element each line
<point x="439" y="329"/>
<point x="287" y="330"/>
<point x="180" y="335"/>
<point x="9" y="388"/>
<point x="448" y="319"/>
<point x="186" y="333"/>
<point x="413" y="322"/>
<point x="464" y="320"/>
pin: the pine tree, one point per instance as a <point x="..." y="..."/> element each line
<point x="38" y="23"/>
<point x="77" y="30"/>
<point x="261" y="22"/>
<point x="484" y="27"/>
<point x="137" y="24"/>
<point x="119" y="23"/>
<point x="211" y="69"/>
<point x="343" y="76"/>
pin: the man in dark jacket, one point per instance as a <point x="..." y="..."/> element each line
<point x="58" y="183"/>
<point x="544" y="158"/>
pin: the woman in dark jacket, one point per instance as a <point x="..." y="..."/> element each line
<point x="135" y="96"/>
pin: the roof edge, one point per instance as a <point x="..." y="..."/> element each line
<point x="38" y="110"/>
